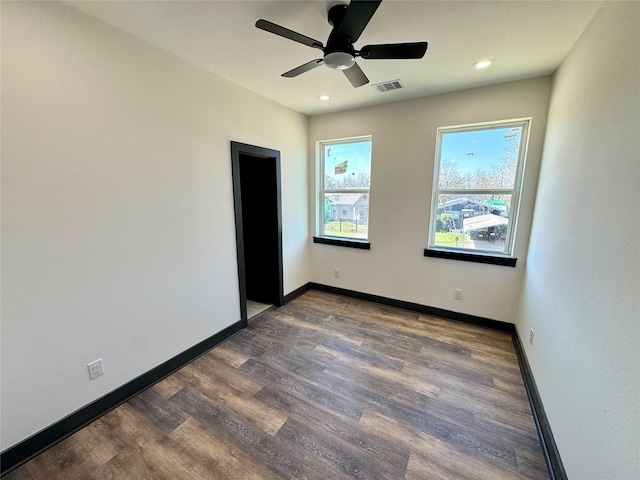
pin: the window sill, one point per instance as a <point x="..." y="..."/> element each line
<point x="343" y="242"/>
<point x="472" y="257"/>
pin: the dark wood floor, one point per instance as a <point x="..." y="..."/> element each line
<point x="326" y="387"/>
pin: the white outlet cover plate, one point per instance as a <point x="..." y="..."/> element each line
<point x="96" y="368"/>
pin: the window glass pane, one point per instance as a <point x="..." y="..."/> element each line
<point x="480" y="159"/>
<point x="347" y="165"/>
<point x="346" y="215"/>
<point x="473" y="222"/>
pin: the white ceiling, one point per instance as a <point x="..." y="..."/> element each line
<point x="526" y="38"/>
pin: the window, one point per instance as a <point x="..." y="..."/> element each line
<point x="344" y="182"/>
<point x="477" y="180"/>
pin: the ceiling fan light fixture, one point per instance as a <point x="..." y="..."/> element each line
<point x="483" y="64"/>
<point x="339" y="60"/>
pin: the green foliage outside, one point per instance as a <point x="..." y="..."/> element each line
<point x="444" y="222"/>
<point x="345" y="229"/>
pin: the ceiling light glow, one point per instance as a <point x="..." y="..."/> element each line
<point x="324" y="98"/>
<point x="339" y="60"/>
<point x="482" y="64"/>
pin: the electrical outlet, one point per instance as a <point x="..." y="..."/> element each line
<point x="336" y="272"/>
<point x="96" y="368"/>
<point x="531" y="334"/>
<point x="457" y="294"/>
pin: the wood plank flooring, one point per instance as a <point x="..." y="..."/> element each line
<point x="326" y="387"/>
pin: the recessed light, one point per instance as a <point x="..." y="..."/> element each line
<point x="324" y="98"/>
<point x="482" y="64"/>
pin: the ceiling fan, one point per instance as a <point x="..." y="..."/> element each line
<point x="348" y="22"/>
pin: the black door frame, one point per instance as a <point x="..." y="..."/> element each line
<point x="238" y="149"/>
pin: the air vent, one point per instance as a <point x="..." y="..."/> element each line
<point x="388" y="86"/>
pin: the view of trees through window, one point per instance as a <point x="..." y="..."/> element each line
<point x="478" y="176"/>
<point x="346" y="180"/>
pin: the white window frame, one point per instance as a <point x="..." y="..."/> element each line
<point x="515" y="192"/>
<point x="321" y="190"/>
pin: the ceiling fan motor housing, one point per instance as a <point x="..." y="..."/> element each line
<point x="339" y="53"/>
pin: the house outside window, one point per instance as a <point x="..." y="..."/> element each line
<point x="344" y="168"/>
<point x="477" y="181"/>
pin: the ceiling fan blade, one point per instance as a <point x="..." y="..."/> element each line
<point x="394" y="51"/>
<point x="356" y="18"/>
<point x="356" y="76"/>
<point x="271" y="27"/>
<point x="303" y="68"/>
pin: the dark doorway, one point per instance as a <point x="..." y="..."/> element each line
<point x="256" y="195"/>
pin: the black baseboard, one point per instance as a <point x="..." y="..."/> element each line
<point x="416" y="307"/>
<point x="548" y="443"/>
<point x="34" y="445"/>
<point x="27" y="449"/>
<point x="296" y="293"/>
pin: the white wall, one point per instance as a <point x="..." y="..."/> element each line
<point x="404" y="136"/>
<point x="118" y="235"/>
<point x="582" y="282"/>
